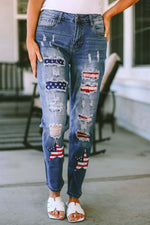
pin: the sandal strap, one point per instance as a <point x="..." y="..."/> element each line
<point x="74" y="207"/>
<point x="56" y="203"/>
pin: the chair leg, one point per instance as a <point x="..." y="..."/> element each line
<point x="95" y="152"/>
<point x="27" y="129"/>
<point x="101" y="139"/>
<point x="113" y="125"/>
<point x="29" y="117"/>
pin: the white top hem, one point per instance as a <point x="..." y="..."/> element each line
<point x="74" y="6"/>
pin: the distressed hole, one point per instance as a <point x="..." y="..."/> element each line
<point x="83" y="136"/>
<point x="56" y="151"/>
<point x="91" y="103"/>
<point x="90" y="58"/>
<point x="42" y="43"/>
<point x="53" y="38"/>
<point x="91" y="75"/>
<point x="88" y="88"/>
<point x="56" y="85"/>
<point x="84" y="126"/>
<point x="55" y="107"/>
<point x="82" y="162"/>
<point x="44" y="37"/>
<point x="56" y="71"/>
<point x="98" y="56"/>
<point x="85" y="118"/>
<point x="55" y="131"/>
<point x="54" y="61"/>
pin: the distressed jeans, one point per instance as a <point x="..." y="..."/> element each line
<point x="73" y="48"/>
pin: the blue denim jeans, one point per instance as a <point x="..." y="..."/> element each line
<point x="73" y="48"/>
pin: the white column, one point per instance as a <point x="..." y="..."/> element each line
<point x="128" y="38"/>
<point x="15" y="32"/>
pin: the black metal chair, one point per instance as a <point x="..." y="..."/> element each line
<point x="112" y="65"/>
<point x="11" y="80"/>
<point x="36" y="110"/>
<point x="12" y="84"/>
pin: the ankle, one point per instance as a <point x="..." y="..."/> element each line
<point x="72" y="199"/>
<point x="54" y="194"/>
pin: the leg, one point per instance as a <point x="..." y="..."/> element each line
<point x="86" y="74"/>
<point x="53" y="88"/>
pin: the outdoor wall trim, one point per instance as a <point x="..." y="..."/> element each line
<point x="133" y="84"/>
<point x="134" y="129"/>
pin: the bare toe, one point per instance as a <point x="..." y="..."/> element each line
<point x="61" y="215"/>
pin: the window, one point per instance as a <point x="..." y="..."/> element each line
<point x="110" y="1"/>
<point x="22" y="6"/>
<point x="142" y="33"/>
<point x="23" y="54"/>
<point x="116" y="35"/>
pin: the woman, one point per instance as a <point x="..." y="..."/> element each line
<point x="66" y="42"/>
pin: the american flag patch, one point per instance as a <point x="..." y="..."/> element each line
<point x="91" y="75"/>
<point x="56" y="151"/>
<point x="88" y="88"/>
<point x="83" y="136"/>
<point x="82" y="162"/>
<point x="57" y="61"/>
<point x="60" y="85"/>
<point x="87" y="119"/>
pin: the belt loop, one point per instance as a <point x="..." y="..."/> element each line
<point x="59" y="18"/>
<point x="91" y="20"/>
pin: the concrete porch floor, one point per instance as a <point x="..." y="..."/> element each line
<point x="116" y="190"/>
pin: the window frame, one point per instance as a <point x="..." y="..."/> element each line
<point x="134" y="42"/>
<point x="18" y="17"/>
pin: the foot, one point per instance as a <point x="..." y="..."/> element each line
<point x="56" y="214"/>
<point x="75" y="217"/>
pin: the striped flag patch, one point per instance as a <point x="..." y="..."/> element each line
<point x="87" y="119"/>
<point x="88" y="88"/>
<point x="83" y="136"/>
<point x="91" y="75"/>
<point x="56" y="151"/>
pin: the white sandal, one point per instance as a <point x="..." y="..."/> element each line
<point x="53" y="204"/>
<point x="73" y="207"/>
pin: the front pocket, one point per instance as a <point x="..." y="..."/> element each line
<point x="47" y="22"/>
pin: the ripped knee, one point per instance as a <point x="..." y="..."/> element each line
<point x="55" y="130"/>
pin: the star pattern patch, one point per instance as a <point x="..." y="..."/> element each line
<point x="56" y="151"/>
<point x="59" y="85"/>
<point x="57" y="61"/>
<point x="82" y="162"/>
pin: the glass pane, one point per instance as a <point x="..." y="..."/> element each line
<point x="116" y="35"/>
<point x="23" y="55"/>
<point x="22" y="6"/>
<point x="142" y="33"/>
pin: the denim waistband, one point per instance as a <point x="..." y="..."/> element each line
<point x="71" y="17"/>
